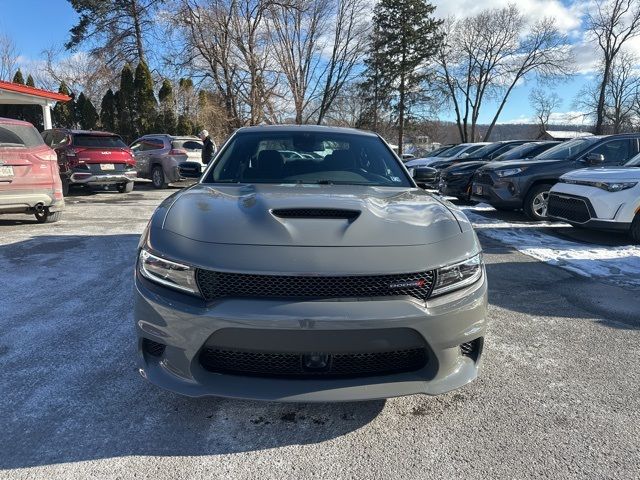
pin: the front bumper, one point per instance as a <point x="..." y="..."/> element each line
<point x="444" y="323"/>
<point x="501" y="193"/>
<point x="455" y="185"/>
<point x="591" y="207"/>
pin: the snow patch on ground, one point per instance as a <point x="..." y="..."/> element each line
<point x="615" y="264"/>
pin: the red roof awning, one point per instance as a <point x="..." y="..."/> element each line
<point x="34" y="92"/>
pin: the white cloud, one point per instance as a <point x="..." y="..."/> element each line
<point x="557" y="118"/>
<point x="568" y="17"/>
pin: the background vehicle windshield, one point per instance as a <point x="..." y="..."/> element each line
<point x="486" y="150"/>
<point x="100" y="141"/>
<point x="15" y="135"/>
<point x="331" y="158"/>
<point x="569" y="149"/>
<point x="453" y="151"/>
<point x="634" y="162"/>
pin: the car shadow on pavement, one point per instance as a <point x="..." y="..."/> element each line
<point x="532" y="288"/>
<point x="71" y="390"/>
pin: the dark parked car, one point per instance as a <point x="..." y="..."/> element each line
<point x="29" y="178"/>
<point x="525" y="184"/>
<point x="455" y="181"/>
<point x="93" y="159"/>
<point x="486" y="153"/>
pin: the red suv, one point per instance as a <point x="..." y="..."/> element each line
<point x="94" y="159"/>
<point x="29" y="178"/>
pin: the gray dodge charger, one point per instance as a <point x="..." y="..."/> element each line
<point x="306" y="265"/>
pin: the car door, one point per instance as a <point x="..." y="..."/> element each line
<point x="141" y="155"/>
<point x="155" y="149"/>
<point x="616" y="151"/>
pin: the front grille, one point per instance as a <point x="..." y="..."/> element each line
<point x="215" y="285"/>
<point x="153" y="348"/>
<point x="339" y="365"/>
<point x="484" y="178"/>
<point x="572" y="209"/>
<point x="472" y="349"/>
<point x="331" y="213"/>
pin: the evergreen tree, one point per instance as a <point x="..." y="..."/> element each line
<point x="126" y="104"/>
<point x="145" y="100"/>
<point x="166" y="120"/>
<point x="18" y="78"/>
<point x="64" y="112"/>
<point x="86" y="113"/>
<point x="33" y="113"/>
<point x="108" y="111"/>
<point x="185" y="125"/>
<point x="406" y="37"/>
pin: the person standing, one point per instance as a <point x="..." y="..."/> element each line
<point x="209" y="148"/>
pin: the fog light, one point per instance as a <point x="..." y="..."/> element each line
<point x="315" y="361"/>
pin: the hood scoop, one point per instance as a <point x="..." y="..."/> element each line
<point x="327" y="213"/>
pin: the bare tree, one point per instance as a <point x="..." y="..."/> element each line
<point x="487" y="55"/>
<point x="350" y="32"/>
<point x="297" y="32"/>
<point x="621" y="95"/>
<point x="544" y="103"/>
<point x="81" y="72"/>
<point x="8" y="57"/>
<point x="612" y="23"/>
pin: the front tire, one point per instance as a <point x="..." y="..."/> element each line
<point x="157" y="177"/>
<point x="125" y="187"/>
<point x="48" y="217"/>
<point x="535" y="204"/>
<point x="635" y="229"/>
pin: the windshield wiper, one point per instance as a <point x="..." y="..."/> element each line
<point x="325" y="182"/>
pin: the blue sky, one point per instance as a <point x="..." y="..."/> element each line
<point x="35" y="25"/>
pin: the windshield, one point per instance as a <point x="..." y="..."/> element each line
<point x="634" y="162"/>
<point x="568" y="149"/>
<point x="98" y="141"/>
<point x="321" y="158"/>
<point x="19" y="135"/>
<point x="486" y="150"/>
<point x="453" y="151"/>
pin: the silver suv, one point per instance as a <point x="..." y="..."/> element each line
<point x="323" y="276"/>
<point x="168" y="159"/>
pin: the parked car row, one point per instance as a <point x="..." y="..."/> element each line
<point x="589" y="182"/>
<point x="38" y="170"/>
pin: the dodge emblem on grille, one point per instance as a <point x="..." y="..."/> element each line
<point x="411" y="284"/>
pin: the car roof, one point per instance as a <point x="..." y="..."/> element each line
<point x="13" y="121"/>
<point x="74" y="131"/>
<point x="304" y="128"/>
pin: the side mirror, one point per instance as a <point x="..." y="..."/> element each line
<point x="425" y="175"/>
<point x="594" y="158"/>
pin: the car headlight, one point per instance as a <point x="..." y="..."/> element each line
<point x="165" y="272"/>
<point x="615" y="186"/>
<point x="508" y="172"/>
<point x="458" y="275"/>
<point x="411" y="170"/>
<point x="459" y="173"/>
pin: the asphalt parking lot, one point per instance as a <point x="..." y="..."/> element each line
<point x="557" y="398"/>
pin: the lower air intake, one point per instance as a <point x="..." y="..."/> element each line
<point x="312" y="364"/>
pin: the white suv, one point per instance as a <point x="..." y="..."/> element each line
<point x="602" y="198"/>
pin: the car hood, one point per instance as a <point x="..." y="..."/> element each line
<point x="458" y="167"/>
<point x="418" y="162"/>
<point x="243" y="215"/>
<point x="521" y="163"/>
<point x="630" y="174"/>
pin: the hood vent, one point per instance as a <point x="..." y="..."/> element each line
<point x="329" y="213"/>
